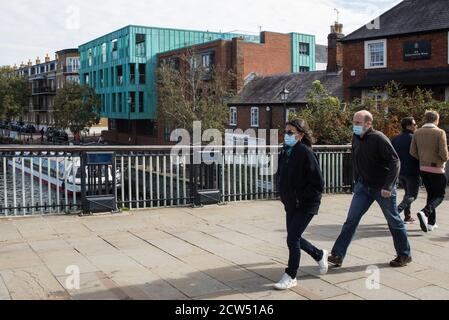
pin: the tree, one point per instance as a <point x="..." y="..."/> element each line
<point x="76" y="107"/>
<point x="191" y="92"/>
<point x="15" y="93"/>
<point x="398" y="104"/>
<point x="328" y="120"/>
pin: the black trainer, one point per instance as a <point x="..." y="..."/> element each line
<point x="335" y="260"/>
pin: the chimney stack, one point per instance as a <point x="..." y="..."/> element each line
<point x="30" y="64"/>
<point x="47" y="58"/>
<point x="38" y="60"/>
<point x="335" y="48"/>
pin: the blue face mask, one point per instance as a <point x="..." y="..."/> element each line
<point x="290" y="140"/>
<point x="358" y="130"/>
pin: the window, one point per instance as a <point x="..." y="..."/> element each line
<point x="72" y="65"/>
<point x="119" y="75"/>
<point x="101" y="79"/>
<point x="377" y="97"/>
<point x="114" y="49"/>
<point x="103" y="52"/>
<point x="255" y="117"/>
<point x="304" y="48"/>
<point x="140" y="45"/>
<point x="132" y="102"/>
<point x="86" y="79"/>
<point x="141" y="102"/>
<point x="233" y="116"/>
<point x="114" y="103"/>
<point x="72" y="79"/>
<point x="288" y="112"/>
<point x="207" y="61"/>
<point x="132" y="73"/>
<point x="120" y="103"/>
<point x="142" y="73"/>
<point x="375" y="54"/>
<point x="167" y="134"/>
<point x="89" y="54"/>
<point x="304" y="69"/>
<point x="106" y="81"/>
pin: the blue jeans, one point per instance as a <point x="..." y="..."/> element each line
<point x="297" y="223"/>
<point x="364" y="197"/>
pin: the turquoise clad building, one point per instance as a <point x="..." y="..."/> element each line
<point x="121" y="66"/>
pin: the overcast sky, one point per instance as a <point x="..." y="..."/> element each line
<point x="31" y="28"/>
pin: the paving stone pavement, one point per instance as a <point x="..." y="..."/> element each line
<point x="236" y="251"/>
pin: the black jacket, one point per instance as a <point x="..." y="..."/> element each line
<point x="402" y="143"/>
<point x="375" y="161"/>
<point x="301" y="182"/>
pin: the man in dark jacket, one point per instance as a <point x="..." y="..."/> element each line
<point x="376" y="166"/>
<point x="409" y="176"/>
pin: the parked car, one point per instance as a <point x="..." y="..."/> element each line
<point x="28" y="128"/>
<point x="60" y="136"/>
<point x="56" y="135"/>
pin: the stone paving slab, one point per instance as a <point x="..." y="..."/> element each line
<point x="236" y="251"/>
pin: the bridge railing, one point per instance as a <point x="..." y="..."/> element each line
<point x="47" y="179"/>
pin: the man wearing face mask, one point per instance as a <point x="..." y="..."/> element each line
<point x="376" y="166"/>
<point x="301" y="186"/>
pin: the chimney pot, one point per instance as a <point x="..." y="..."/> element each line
<point x="335" y="48"/>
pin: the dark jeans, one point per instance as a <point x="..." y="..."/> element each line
<point x="436" y="191"/>
<point x="411" y="186"/>
<point x="297" y="223"/>
<point x="364" y="197"/>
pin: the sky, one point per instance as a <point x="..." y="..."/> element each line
<point x="31" y="28"/>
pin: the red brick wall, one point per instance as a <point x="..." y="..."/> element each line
<point x="354" y="58"/>
<point x="271" y="57"/>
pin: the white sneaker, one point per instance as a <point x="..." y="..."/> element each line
<point x="286" y="283"/>
<point x="323" y="263"/>
<point x="432" y="228"/>
<point x="423" y="221"/>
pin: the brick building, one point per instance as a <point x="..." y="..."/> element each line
<point x="42" y="79"/>
<point x="262" y="104"/>
<point x="408" y="44"/>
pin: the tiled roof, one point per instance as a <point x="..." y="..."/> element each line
<point x="266" y="90"/>
<point x="409" y="16"/>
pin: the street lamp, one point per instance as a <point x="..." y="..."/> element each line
<point x="129" y="118"/>
<point x="284" y="97"/>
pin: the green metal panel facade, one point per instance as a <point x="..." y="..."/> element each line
<point x="129" y="56"/>
<point x="300" y="61"/>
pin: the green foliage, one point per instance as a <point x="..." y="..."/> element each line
<point x="15" y="93"/>
<point x="193" y="94"/>
<point x="76" y="107"/>
<point x="399" y="104"/>
<point x="328" y="120"/>
<point x="331" y="124"/>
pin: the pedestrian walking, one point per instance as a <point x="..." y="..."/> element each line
<point x="301" y="186"/>
<point x="429" y="146"/>
<point x="42" y="135"/>
<point x="409" y="174"/>
<point x="376" y="165"/>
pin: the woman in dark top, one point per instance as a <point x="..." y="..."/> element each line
<point x="301" y="186"/>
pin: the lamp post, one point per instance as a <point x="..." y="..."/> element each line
<point x="284" y="97"/>
<point x="129" y="119"/>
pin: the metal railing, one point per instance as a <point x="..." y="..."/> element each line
<point x="46" y="179"/>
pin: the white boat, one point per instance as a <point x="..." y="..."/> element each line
<point x="63" y="173"/>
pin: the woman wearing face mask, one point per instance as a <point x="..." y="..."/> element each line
<point x="301" y="186"/>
